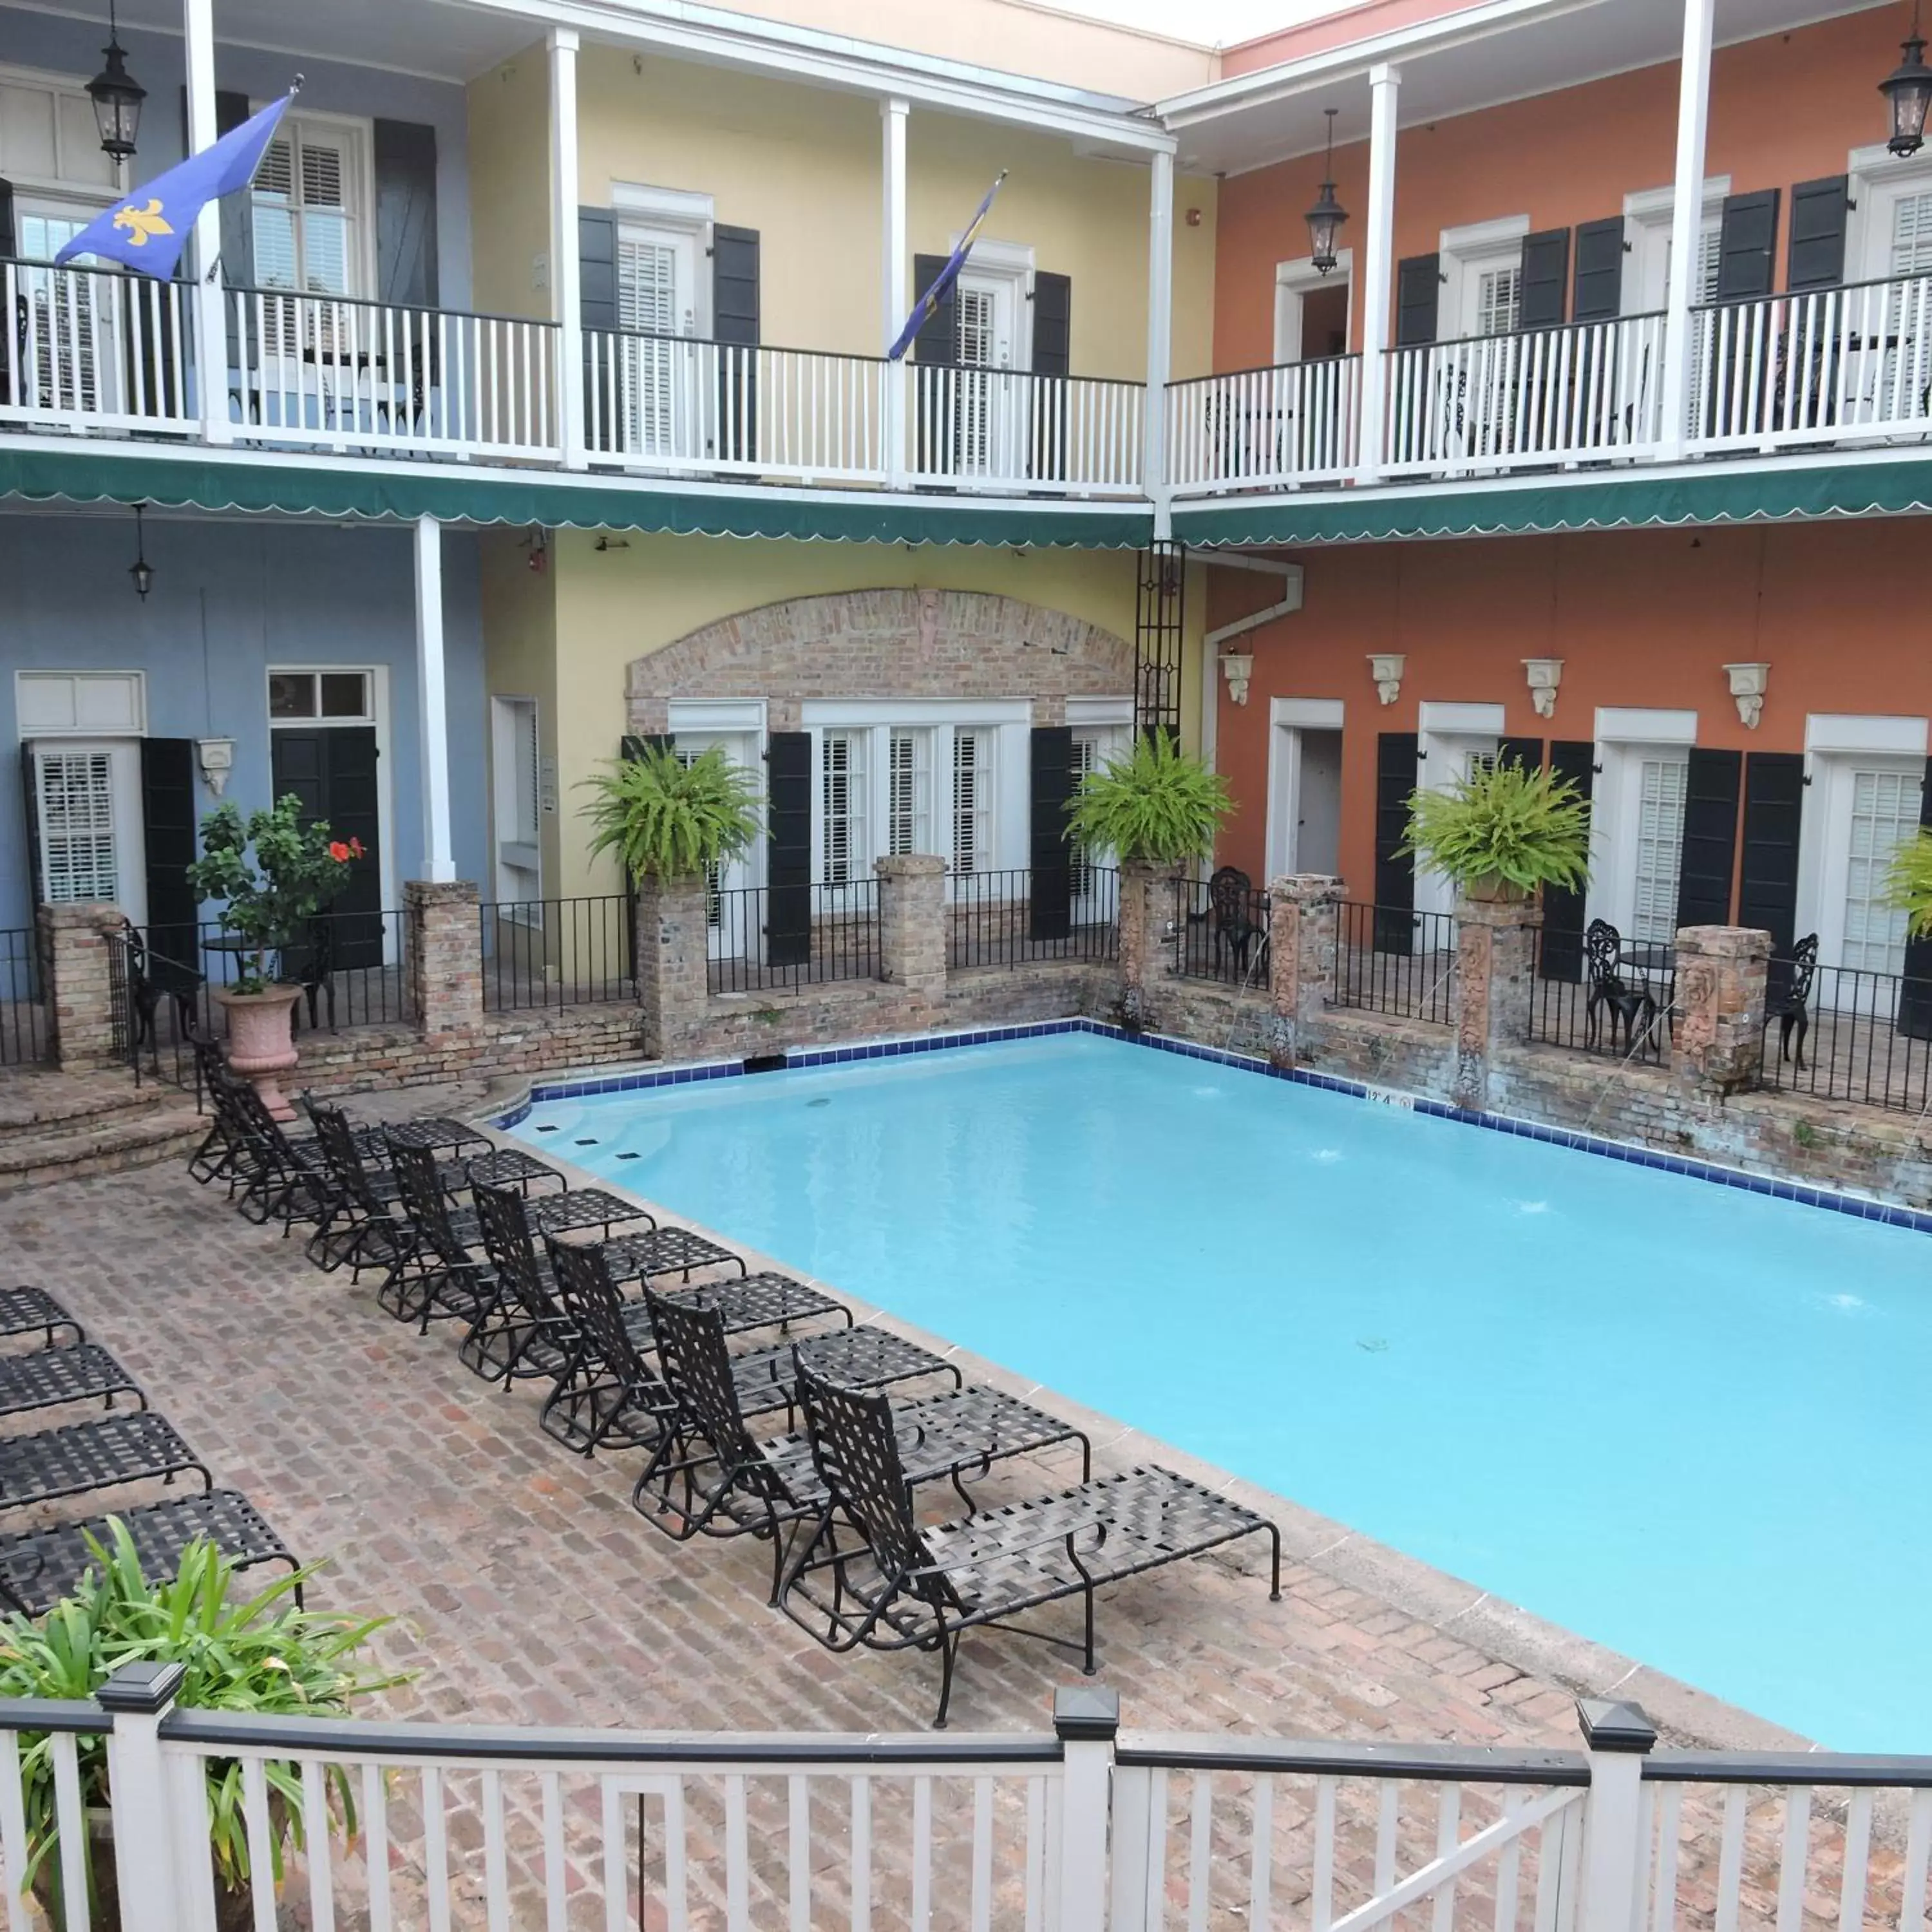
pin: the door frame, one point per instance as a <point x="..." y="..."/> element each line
<point x="1294" y="279"/>
<point x="1624" y="735"/>
<point x="1446" y="735"/>
<point x="1288" y="718"/>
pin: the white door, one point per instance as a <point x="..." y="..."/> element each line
<point x="1897" y="381"/>
<point x="1316" y="845"/>
<point x="657" y="308"/>
<point x="1656" y="847"/>
<point x="733" y="922"/>
<point x="72" y="361"/>
<point x="1094" y="747"/>
<point x="1872" y="808"/>
<point x="1450" y="756"/>
<point x="87" y="811"/>
<point x="992" y="408"/>
<point x="516" y="767"/>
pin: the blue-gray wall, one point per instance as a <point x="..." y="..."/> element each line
<point x="229" y="599"/>
<point x="58" y="45"/>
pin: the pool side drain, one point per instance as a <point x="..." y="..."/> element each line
<point x="763" y="1062"/>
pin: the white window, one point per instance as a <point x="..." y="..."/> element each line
<point x="1498" y="300"/>
<point x="338" y="697"/>
<point x="79" y="857"/>
<point x="1884" y="814"/>
<point x="973" y="801"/>
<point x="1661" y="785"/>
<point x="311" y="216"/>
<point x="909" y="795"/>
<point x="844" y="808"/>
<point x="49" y="135"/>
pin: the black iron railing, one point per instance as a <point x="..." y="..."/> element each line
<point x="1391" y="959"/>
<point x="996" y="919"/>
<point x="23" y="1013"/>
<point x="1221" y="931"/>
<point x="558" y="952"/>
<point x="768" y="940"/>
<point x="1624" y="1012"/>
<point x="1847" y="1034"/>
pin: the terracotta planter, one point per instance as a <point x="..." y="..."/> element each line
<point x="234" y="1908"/>
<point x="261" y="1040"/>
<point x="1492" y="889"/>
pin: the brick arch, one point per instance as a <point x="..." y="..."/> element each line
<point x="883" y="644"/>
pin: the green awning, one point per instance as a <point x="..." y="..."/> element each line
<point x="1718" y="493"/>
<point x="195" y="480"/>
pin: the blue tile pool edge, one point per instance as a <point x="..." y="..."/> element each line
<point x="1631" y="1152"/>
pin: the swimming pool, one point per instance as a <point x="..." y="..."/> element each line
<point x="1686" y="1421"/>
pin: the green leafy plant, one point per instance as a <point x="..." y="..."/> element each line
<point x="1508" y="822"/>
<point x="667" y="820"/>
<point x="262" y="1654"/>
<point x="1155" y="804"/>
<point x="1908" y="885"/>
<point x="296" y="870"/>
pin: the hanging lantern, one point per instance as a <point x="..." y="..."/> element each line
<point x="1908" y="89"/>
<point x="117" y="98"/>
<point x="1326" y="217"/>
<point x="141" y="570"/>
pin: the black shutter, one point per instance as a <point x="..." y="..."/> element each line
<point x="7" y="243"/>
<point x="788" y="848"/>
<point x="1561" y="956"/>
<point x="405" y="268"/>
<point x="1915" y="991"/>
<point x="1418" y="293"/>
<point x="1546" y="278"/>
<point x="1397" y="755"/>
<point x="1747" y="244"/>
<point x="938" y="339"/>
<point x="169" y="836"/>
<point x="734" y="320"/>
<point x="332" y="770"/>
<point x="237" y="220"/>
<point x="1815" y="254"/>
<point x="597" y="304"/>
<point x="1705" y="869"/>
<point x="13" y="329"/>
<point x="1527" y="752"/>
<point x="635" y="745"/>
<point x="1598" y="293"/>
<point x="1768" y="878"/>
<point x="1052" y="356"/>
<point x="1052" y="907"/>
<point x="936" y="434"/>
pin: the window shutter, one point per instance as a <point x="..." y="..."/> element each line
<point x="1052" y="356"/>
<point x="1768" y="880"/>
<point x="938" y="338"/>
<point x="405" y="264"/>
<point x="1527" y="752"/>
<point x="937" y="342"/>
<point x="7" y="242"/>
<point x="1710" y="837"/>
<point x="1598" y="293"/>
<point x="788" y="848"/>
<point x="597" y="280"/>
<point x="1546" y="277"/>
<point x="635" y="745"/>
<point x="1397" y="756"/>
<point x="169" y="826"/>
<point x="1746" y="244"/>
<point x="237" y="216"/>
<point x="1561" y="955"/>
<point x="1052" y="858"/>
<point x="1815" y="256"/>
<point x="1418" y="293"/>
<point x="1915" y="991"/>
<point x="735" y="319"/>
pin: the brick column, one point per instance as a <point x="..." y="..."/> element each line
<point x="1720" y="989"/>
<point x="674" y="967"/>
<point x="76" y="958"/>
<point x="1494" y="946"/>
<point x="912" y="923"/>
<point x="442" y="955"/>
<point x="1301" y="959"/>
<point x="1146" y="911"/>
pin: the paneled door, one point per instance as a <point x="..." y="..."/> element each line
<point x="332" y="769"/>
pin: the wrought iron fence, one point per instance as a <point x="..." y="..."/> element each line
<point x="997" y="919"/>
<point x="1221" y="931"/>
<point x="558" y="952"/>
<point x="767" y="939"/>
<point x="23" y="1016"/>
<point x="1624" y="1009"/>
<point x="1842" y="1034"/>
<point x="1392" y="959"/>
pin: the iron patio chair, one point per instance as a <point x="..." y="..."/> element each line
<point x="1788" y="1000"/>
<point x="434" y="1274"/>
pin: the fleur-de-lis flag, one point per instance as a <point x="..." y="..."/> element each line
<point x="148" y="229"/>
<point x="927" y="306"/>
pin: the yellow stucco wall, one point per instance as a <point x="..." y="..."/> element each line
<point x="520" y="661"/>
<point x="509" y="184"/>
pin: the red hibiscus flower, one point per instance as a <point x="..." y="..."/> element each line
<point x="338" y="852"/>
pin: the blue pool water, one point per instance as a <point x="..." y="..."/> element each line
<point x="1689" y="1422"/>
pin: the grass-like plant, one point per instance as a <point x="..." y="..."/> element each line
<point x="1155" y="804"/>
<point x="667" y="820"/>
<point x="1908" y="885"/>
<point x="1508" y="822"/>
<point x="261" y="1654"/>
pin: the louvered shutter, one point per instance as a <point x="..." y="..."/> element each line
<point x="597" y="300"/>
<point x="735" y="320"/>
<point x="73" y="796"/>
<point x="1527" y="752"/>
<point x="8" y="246"/>
<point x="636" y="744"/>
<point x="1915" y="991"/>
<point x="405" y="238"/>
<point x="1560" y="955"/>
<point x="1397" y="762"/>
<point x="1768" y="877"/>
<point x="1815" y="255"/>
<point x="936" y="441"/>
<point x="1705" y="871"/>
<point x="1546" y="279"/>
<point x="170" y="839"/>
<point x="1052" y="356"/>
<point x="1051" y="853"/>
<point x="12" y="327"/>
<point x="1597" y="292"/>
<point x="1747" y="244"/>
<point x="788" y="848"/>
<point x="1418" y="291"/>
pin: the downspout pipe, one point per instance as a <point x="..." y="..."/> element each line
<point x="1285" y="605"/>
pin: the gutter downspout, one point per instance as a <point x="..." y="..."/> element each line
<point x="1286" y="605"/>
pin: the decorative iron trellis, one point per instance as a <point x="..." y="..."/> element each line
<point x="1157" y="638"/>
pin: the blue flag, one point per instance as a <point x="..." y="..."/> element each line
<point x="927" y="307"/>
<point x="148" y="229"/>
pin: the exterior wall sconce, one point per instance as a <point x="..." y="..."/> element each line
<point x="1747" y="687"/>
<point x="1544" y="674"/>
<point x="216" y="758"/>
<point x="1238" y="666"/>
<point x="1387" y="670"/>
<point x="1908" y="90"/>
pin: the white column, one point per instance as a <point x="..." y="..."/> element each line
<point x="1379" y="268"/>
<point x="566" y="280"/>
<point x="432" y="703"/>
<point x="1160" y="340"/>
<point x="210" y="321"/>
<point x="1687" y="222"/>
<point x="895" y="286"/>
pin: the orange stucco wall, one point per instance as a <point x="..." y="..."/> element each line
<point x="1787" y="108"/>
<point x="1643" y="618"/>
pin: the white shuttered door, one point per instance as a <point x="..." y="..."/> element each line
<point x="656" y="275"/>
<point x="1659" y="846"/>
<point x="1884" y="814"/>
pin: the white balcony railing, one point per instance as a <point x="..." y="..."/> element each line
<point x="1009" y="430"/>
<point x="1590" y="392"/>
<point x="1265" y="429"/>
<point x="1830" y="365"/>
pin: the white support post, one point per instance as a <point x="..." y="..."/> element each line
<point x="140" y="1696"/>
<point x="894" y="286"/>
<point x="1160" y="342"/>
<point x="1617" y="1737"/>
<point x="1378" y="269"/>
<point x="566" y="278"/>
<point x="1086" y="1719"/>
<point x="1687" y="222"/>
<point x="210" y="321"/>
<point x="433" y="703"/>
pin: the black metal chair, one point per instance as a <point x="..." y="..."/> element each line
<point x="905" y="1588"/>
<point x="152" y="979"/>
<point x="362" y="1227"/>
<point x="1788" y="997"/>
<point x="33" y="1311"/>
<point x="434" y="1275"/>
<point x="136" y="1446"/>
<point x="51" y="1378"/>
<point x="1633" y="1006"/>
<point x="1231" y="899"/>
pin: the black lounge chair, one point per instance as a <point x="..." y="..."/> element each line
<point x="663" y="1251"/>
<point x="720" y="1480"/>
<point x="361" y="1226"/>
<point x="906" y="1587"/>
<point x="1788" y="997"/>
<point x="137" y="1446"/>
<point x="49" y="1377"/>
<point x="279" y="1179"/>
<point x="33" y="1311"/>
<point x="434" y="1275"/>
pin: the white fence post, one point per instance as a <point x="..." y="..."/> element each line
<point x="139" y="1695"/>
<point x="1086" y="1719"/>
<point x="1617" y="1737"/>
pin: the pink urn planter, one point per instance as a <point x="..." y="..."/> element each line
<point x="261" y="1040"/>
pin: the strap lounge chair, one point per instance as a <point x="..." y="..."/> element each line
<point x="434" y="1274"/>
<point x="49" y="1377"/>
<point x="138" y="1447"/>
<point x="906" y="1587"/>
<point x="33" y="1311"/>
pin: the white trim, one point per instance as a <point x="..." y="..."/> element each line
<point x="1010" y="258"/>
<point x="1854" y="735"/>
<point x="73" y="87"/>
<point x="1475" y="720"/>
<point x="1621" y="724"/>
<point x="357" y="134"/>
<point x="1095" y="711"/>
<point x="1824" y="838"/>
<point x="1649" y="215"/>
<point x="675" y="207"/>
<point x="1313" y="714"/>
<point x="716" y="714"/>
<point x="1466" y="252"/>
<point x="837" y="713"/>
<point x="1616" y="807"/>
<point x="136" y="727"/>
<point x="1481" y="238"/>
<point x="1288" y="718"/>
<point x="1297" y="278"/>
<point x="1652" y="206"/>
<point x="1878" y="177"/>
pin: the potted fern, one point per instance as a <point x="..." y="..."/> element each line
<point x="1154" y="806"/>
<point x="261" y="1654"/>
<point x="1502" y="833"/>
<point x="1908" y="885"/>
<point x="666" y="819"/>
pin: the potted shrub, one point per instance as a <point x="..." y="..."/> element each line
<point x="1154" y="805"/>
<point x="262" y="1655"/>
<point x="297" y="870"/>
<point x="665" y="818"/>
<point x="1908" y="885"/>
<point x="1502" y="832"/>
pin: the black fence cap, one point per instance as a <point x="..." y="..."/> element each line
<point x="1609" y="1726"/>
<point x="1086" y="1713"/>
<point x="144" y="1687"/>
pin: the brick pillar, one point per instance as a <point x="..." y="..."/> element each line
<point x="1720" y="989"/>
<point x="912" y="923"/>
<point x="442" y="955"/>
<point x="673" y="963"/>
<point x="1148" y="902"/>
<point x="1301" y="959"/>
<point x="75" y="957"/>
<point x="1494" y="946"/>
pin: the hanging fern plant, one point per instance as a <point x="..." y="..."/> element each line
<point x="1156" y="804"/>
<point x="667" y="820"/>
<point x="1507" y="828"/>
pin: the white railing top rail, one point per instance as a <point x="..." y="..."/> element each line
<point x="1265" y="369"/>
<point x="671" y="339"/>
<point x="1846" y="1770"/>
<point x="1319" y="1757"/>
<point x="1523" y="334"/>
<point x="1823" y="293"/>
<point x="430" y="310"/>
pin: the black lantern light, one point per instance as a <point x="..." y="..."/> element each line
<point x="141" y="570"/>
<point x="1908" y="89"/>
<point x="1326" y="217"/>
<point x="117" y="96"/>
